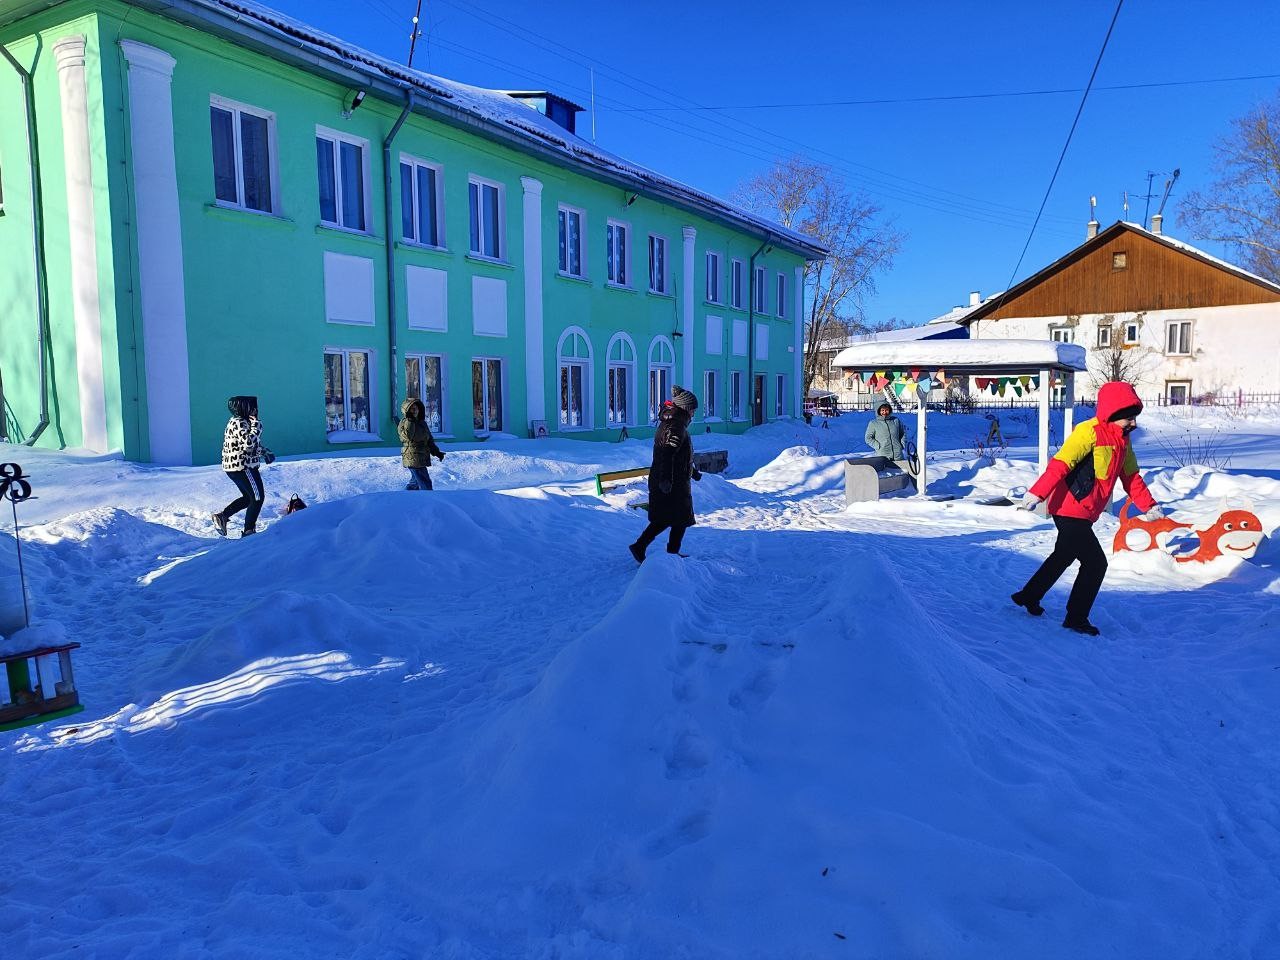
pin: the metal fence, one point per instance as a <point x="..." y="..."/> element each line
<point x="983" y="405"/>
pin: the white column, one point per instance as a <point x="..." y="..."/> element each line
<point x="83" y="243"/>
<point x="160" y="264"/>
<point x="1069" y="411"/>
<point x="690" y="338"/>
<point x="534" y="347"/>
<point x="797" y="350"/>
<point x="922" y="439"/>
<point x="1042" y="459"/>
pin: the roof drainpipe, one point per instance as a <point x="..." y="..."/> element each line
<point x="387" y="187"/>
<point x="751" y="326"/>
<point x="37" y="230"/>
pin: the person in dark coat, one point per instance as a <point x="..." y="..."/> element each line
<point x="417" y="444"/>
<point x="242" y="454"/>
<point x="670" y="494"/>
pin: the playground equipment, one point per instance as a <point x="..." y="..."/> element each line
<point x="49" y="691"/>
<point x="1236" y="533"/>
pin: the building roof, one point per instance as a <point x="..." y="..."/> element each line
<point x="995" y="357"/>
<point x="993" y="303"/>
<point x="489" y="113"/>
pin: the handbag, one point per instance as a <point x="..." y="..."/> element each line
<point x="295" y="504"/>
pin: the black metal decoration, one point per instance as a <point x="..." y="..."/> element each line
<point x="15" y="486"/>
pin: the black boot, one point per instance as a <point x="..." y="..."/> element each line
<point x="248" y="532"/>
<point x="220" y="522"/>
<point x="637" y="551"/>
<point x="1027" y="603"/>
<point x="1082" y="626"/>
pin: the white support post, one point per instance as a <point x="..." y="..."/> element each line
<point x="797" y="349"/>
<point x="922" y="440"/>
<point x="1069" y="407"/>
<point x="534" y="346"/>
<point x="690" y="338"/>
<point x="1042" y="459"/>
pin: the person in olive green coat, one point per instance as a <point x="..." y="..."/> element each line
<point x="886" y="438"/>
<point x="417" y="445"/>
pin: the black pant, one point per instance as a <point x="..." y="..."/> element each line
<point x="1076" y="541"/>
<point x="249" y="483"/>
<point x="654" y="528"/>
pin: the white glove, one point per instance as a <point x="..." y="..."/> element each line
<point x="1029" y="502"/>
<point x="1155" y="513"/>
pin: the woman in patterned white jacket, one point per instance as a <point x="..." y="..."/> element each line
<point x="242" y="454"/>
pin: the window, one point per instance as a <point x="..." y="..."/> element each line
<point x="243" y="155"/>
<point x="735" y="395"/>
<point x="657" y="264"/>
<point x="740" y="332"/>
<point x="1058" y="392"/>
<point x="421" y="202"/>
<point x="621" y="374"/>
<point x="340" y="168"/>
<point x="486" y="394"/>
<point x="779" y="397"/>
<point x="737" y="273"/>
<point x="757" y="294"/>
<point x="1177" y="392"/>
<point x="1177" y="338"/>
<point x="574" y="352"/>
<point x="1132" y="333"/>
<point x="762" y="341"/>
<point x="1120" y="260"/>
<point x="570" y="227"/>
<point x="715" y="334"/>
<point x="346" y="391"/>
<point x="1062" y="334"/>
<point x="710" y="393"/>
<point x="713" y="277"/>
<point x="782" y="295"/>
<point x="424" y="379"/>
<point x="1104" y="336"/>
<point x="662" y="359"/>
<point x="617" y="235"/>
<point x="488" y="220"/>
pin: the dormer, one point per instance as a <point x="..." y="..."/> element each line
<point x="555" y="108"/>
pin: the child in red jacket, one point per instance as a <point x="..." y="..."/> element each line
<point x="1078" y="486"/>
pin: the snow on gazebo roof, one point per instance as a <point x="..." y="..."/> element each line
<point x="993" y="357"/>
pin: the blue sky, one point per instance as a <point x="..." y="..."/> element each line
<point x="961" y="177"/>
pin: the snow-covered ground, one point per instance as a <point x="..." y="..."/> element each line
<point x="465" y="725"/>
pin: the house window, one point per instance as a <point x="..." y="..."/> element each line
<point x="757" y="294"/>
<point x="1120" y="260"/>
<point x="340" y="168"/>
<point x="1177" y="392"/>
<point x="737" y="274"/>
<point x="486" y="394"/>
<point x="243" y="155"/>
<point x="621" y="374"/>
<point x="1177" y="338"/>
<point x="1058" y="393"/>
<point x="710" y="393"/>
<point x="779" y="397"/>
<point x="715" y="334"/>
<point x="713" y="277"/>
<point x="740" y="333"/>
<point x="1104" y="335"/>
<point x="346" y="391"/>
<point x="1062" y="334"/>
<point x="488" y="221"/>
<point x="662" y="360"/>
<point x="782" y="295"/>
<point x="424" y="380"/>
<point x="619" y="250"/>
<point x="574" y="352"/>
<point x="421" y="202"/>
<point x="735" y="395"/>
<point x="657" y="264"/>
<point x="571" y="242"/>
<point x="1132" y="334"/>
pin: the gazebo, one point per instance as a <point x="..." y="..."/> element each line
<point x="920" y="362"/>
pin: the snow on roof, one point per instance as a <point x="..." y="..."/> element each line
<point x="1197" y="252"/>
<point x="990" y="356"/>
<point x="498" y="108"/>
<point x="926" y="332"/>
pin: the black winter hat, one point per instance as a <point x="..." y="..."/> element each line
<point x="1124" y="413"/>
<point x="245" y="407"/>
<point x="684" y="399"/>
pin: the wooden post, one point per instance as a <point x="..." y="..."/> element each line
<point x="1042" y="460"/>
<point x="922" y="438"/>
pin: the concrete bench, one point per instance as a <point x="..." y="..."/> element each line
<point x="869" y="478"/>
<point x="711" y="461"/>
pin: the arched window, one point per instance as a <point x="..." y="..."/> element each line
<point x="662" y="361"/>
<point x="574" y="357"/>
<point x="620" y="374"/>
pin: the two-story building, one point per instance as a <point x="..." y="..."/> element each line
<point x="205" y="198"/>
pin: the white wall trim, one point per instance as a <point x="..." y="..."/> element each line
<point x="689" y="340"/>
<point x="534" y="358"/>
<point x="797" y="381"/>
<point x="160" y="262"/>
<point x="85" y="303"/>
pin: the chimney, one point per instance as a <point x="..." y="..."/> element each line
<point x="1157" y="224"/>
<point x="1092" y="230"/>
<point x="975" y="298"/>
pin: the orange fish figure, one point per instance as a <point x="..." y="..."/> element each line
<point x="1236" y="533"/>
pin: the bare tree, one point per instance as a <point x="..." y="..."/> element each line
<point x="1118" y="360"/>
<point x="810" y="198"/>
<point x="1242" y="208"/>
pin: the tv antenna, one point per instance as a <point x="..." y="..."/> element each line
<point x="413" y="37"/>
<point x="1168" y="186"/>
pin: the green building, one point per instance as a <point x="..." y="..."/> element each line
<point x="201" y="198"/>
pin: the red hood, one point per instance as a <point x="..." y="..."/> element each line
<point x="1114" y="396"/>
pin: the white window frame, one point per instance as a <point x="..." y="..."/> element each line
<point x="336" y="137"/>
<point x="736" y="396"/>
<point x="617" y="262"/>
<point x="566" y="211"/>
<point x="779" y="400"/>
<point x="759" y="291"/>
<point x="737" y="272"/>
<point x="629" y="366"/>
<point x="484" y="360"/>
<point x="1104" y="342"/>
<point x="372" y="413"/>
<point x="711" y="396"/>
<point x="422" y="358"/>
<point x="476" y="213"/>
<point x="655" y="402"/>
<point x="713" y="291"/>
<point x="1169" y="327"/>
<point x="563" y="365"/>
<point x="1061" y="333"/>
<point x="782" y="295"/>
<point x="235" y="108"/>
<point x="1137" y="333"/>
<point x="664" y="287"/>
<point x="1168" y="392"/>
<point x="414" y="163"/>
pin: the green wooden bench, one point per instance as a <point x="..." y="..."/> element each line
<point x="607" y="481"/>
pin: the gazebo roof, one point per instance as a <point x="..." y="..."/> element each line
<point x="982" y="357"/>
